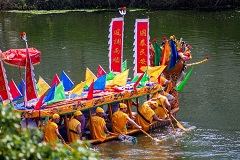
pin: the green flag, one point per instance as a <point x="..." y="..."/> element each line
<point x="135" y="78"/>
<point x="59" y="94"/>
<point x="144" y="79"/>
<point x="157" y="54"/>
<point x="124" y="65"/>
<point x="110" y="76"/>
<point x="182" y="84"/>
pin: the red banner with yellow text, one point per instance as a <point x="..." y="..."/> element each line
<point x="141" y="45"/>
<point x="30" y="89"/>
<point x="116" y="45"/>
<point x="5" y="94"/>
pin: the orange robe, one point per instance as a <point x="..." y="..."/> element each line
<point x="98" y="124"/>
<point x="73" y="133"/>
<point x="119" y="122"/>
<point x="160" y="110"/>
<point x="148" y="113"/>
<point x="49" y="132"/>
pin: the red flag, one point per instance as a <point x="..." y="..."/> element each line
<point x="55" y="80"/>
<point x="101" y="71"/>
<point x="14" y="90"/>
<point x="90" y="92"/>
<point x="39" y="103"/>
<point x="139" y="79"/>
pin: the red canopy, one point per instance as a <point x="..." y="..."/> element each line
<point x="17" y="57"/>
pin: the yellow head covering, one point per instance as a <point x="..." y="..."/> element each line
<point x="55" y="116"/>
<point x="154" y="103"/>
<point x="122" y="105"/>
<point x="77" y="113"/>
<point x="99" y="110"/>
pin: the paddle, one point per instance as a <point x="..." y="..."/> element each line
<point x="179" y="124"/>
<point x="155" y="139"/>
<point x="72" y="150"/>
<point x="165" y="110"/>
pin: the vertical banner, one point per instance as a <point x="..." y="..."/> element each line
<point x="30" y="89"/>
<point x="5" y="94"/>
<point x="141" y="45"/>
<point x="116" y="45"/>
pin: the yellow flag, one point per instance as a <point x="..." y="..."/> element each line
<point x="153" y="72"/>
<point x="42" y="86"/>
<point x="78" y="89"/>
<point x="89" y="77"/>
<point x="121" y="78"/>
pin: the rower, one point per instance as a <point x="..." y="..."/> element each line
<point x="75" y="127"/>
<point x="98" y="125"/>
<point x="51" y="132"/>
<point x="120" y="119"/>
<point x="146" y="115"/>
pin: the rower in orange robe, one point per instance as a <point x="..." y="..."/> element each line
<point x="50" y="131"/>
<point x="146" y="115"/>
<point x="75" y="127"/>
<point x="100" y="130"/>
<point x="120" y="119"/>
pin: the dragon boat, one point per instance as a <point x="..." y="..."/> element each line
<point x="150" y="61"/>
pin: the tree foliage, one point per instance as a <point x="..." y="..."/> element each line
<point x="113" y="4"/>
<point x="21" y="144"/>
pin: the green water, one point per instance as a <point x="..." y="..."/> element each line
<point x="209" y="102"/>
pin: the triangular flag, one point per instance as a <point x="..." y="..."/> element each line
<point x="101" y="71"/>
<point x="14" y="90"/>
<point x="110" y="76"/>
<point x="153" y="72"/>
<point x="21" y="87"/>
<point x="135" y="78"/>
<point x="42" y="86"/>
<point x="55" y="80"/>
<point x="50" y="94"/>
<point x="78" y="89"/>
<point x="182" y="84"/>
<point x="157" y="55"/>
<point x="121" y="78"/>
<point x="137" y="82"/>
<point x="124" y="65"/>
<point x="90" y="92"/>
<point x="67" y="82"/>
<point x="39" y="103"/>
<point x="100" y="83"/>
<point x="59" y="94"/>
<point x="90" y="77"/>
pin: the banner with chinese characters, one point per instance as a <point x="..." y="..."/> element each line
<point x="30" y="89"/>
<point x="141" y="45"/>
<point x="5" y="94"/>
<point x="116" y="45"/>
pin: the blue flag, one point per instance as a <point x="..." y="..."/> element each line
<point x="100" y="83"/>
<point x="67" y="82"/>
<point x="174" y="55"/>
<point x="21" y="88"/>
<point x="50" y="95"/>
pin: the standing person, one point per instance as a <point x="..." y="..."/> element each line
<point x="146" y="115"/>
<point x="99" y="128"/>
<point x="75" y="127"/>
<point x="51" y="132"/>
<point x="120" y="119"/>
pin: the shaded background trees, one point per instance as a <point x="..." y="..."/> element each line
<point x="113" y="4"/>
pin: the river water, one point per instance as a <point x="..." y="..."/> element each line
<point x="209" y="103"/>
